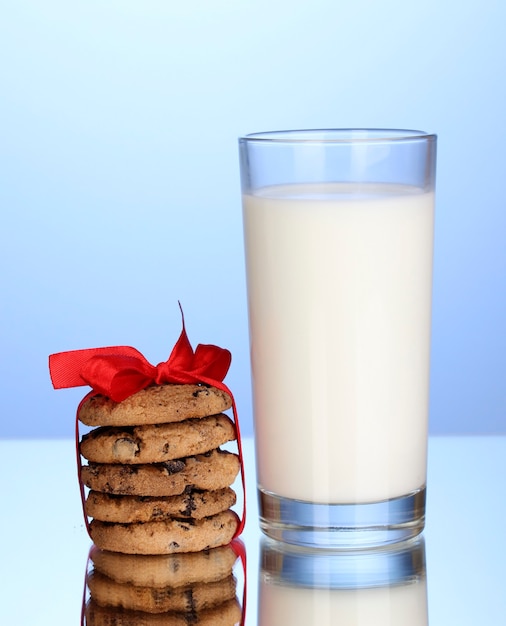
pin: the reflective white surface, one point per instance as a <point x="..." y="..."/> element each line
<point x="45" y="545"/>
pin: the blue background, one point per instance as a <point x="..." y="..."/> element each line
<point x="119" y="182"/>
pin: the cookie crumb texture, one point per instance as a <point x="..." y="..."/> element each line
<point x="157" y="404"/>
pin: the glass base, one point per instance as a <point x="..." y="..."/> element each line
<point x="342" y="526"/>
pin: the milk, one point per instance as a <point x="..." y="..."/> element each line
<point x="339" y="290"/>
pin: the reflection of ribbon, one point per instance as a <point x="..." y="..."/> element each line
<point x="119" y="372"/>
<point x="240" y="549"/>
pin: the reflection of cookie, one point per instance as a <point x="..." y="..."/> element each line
<point x="126" y="509"/>
<point x="195" y="597"/>
<point x="166" y="537"/>
<point x="213" y="470"/>
<point x="165" y="570"/>
<point x="156" y="443"/>
<point x="157" y="404"/>
<point x="225" y="614"/>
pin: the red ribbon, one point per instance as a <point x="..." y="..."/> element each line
<point x="120" y="371"/>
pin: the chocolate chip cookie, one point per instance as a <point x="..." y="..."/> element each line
<point x="214" y="470"/>
<point x="156" y="443"/>
<point x="157" y="404"/>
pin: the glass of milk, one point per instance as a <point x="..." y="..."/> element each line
<point x="338" y="228"/>
<point x="381" y="587"/>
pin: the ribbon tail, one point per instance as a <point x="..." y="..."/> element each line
<point x="223" y="387"/>
<point x="80" y="463"/>
<point x="242" y="522"/>
<point x="65" y="367"/>
<point x="240" y="550"/>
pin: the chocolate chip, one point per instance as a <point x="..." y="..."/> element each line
<point x="201" y="391"/>
<point x="173" y="467"/>
<point x="190" y="505"/>
<point x="160" y="595"/>
<point x="128" y="470"/>
<point x="157" y="513"/>
<point x="190" y="601"/>
<point x="175" y="565"/>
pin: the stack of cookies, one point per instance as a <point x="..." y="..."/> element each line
<point x="159" y="482"/>
<point x="166" y="590"/>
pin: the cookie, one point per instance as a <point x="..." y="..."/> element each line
<point x="174" y="570"/>
<point x="127" y="509"/>
<point x="225" y="614"/>
<point x="213" y="470"/>
<point x="157" y="404"/>
<point x="165" y="537"/>
<point x="156" y="443"/>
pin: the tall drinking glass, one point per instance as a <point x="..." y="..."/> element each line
<point x="338" y="228"/>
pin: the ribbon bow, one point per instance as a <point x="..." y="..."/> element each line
<point x="120" y="371"/>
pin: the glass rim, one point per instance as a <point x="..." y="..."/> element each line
<point x="338" y="135"/>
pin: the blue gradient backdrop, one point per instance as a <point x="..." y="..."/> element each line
<point x="119" y="184"/>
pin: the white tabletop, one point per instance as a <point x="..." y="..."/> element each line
<point x="45" y="545"/>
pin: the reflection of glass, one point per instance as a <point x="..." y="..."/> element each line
<point x="154" y="590"/>
<point x="384" y="587"/>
